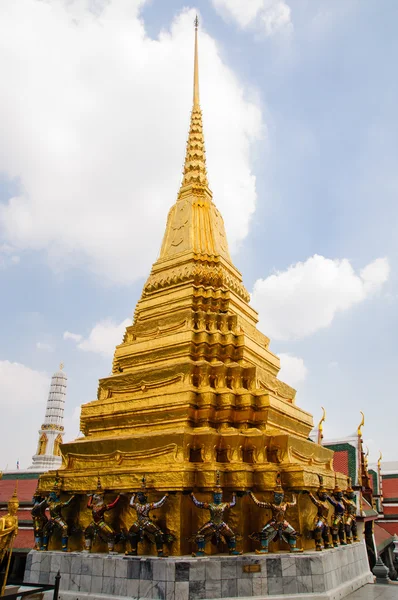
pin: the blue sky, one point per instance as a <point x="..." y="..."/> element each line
<point x="299" y="102"/>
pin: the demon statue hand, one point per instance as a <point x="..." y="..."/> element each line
<point x="98" y="527"/>
<point x="338" y="521"/>
<point x="321" y="527"/>
<point x="56" y="521"/>
<point x="216" y="525"/>
<point x="39" y="518"/>
<point x="143" y="525"/>
<point x="277" y="526"/>
<point x="9" y="526"/>
<point x="351" y="531"/>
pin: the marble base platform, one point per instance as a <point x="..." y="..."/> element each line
<point x="331" y="575"/>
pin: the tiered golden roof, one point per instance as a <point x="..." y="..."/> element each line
<point x="194" y="386"/>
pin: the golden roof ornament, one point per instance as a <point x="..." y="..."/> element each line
<point x="320" y="426"/>
<point x="362" y="423"/>
<point x="379" y="460"/>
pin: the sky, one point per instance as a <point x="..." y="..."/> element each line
<point x="299" y="106"/>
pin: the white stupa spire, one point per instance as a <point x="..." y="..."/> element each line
<point x="48" y="455"/>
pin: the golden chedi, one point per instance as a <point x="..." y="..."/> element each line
<point x="194" y="386"/>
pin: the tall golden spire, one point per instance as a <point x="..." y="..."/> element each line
<point x="195" y="174"/>
<point x="196" y="67"/>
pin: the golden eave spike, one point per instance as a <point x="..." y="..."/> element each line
<point x="362" y="423"/>
<point x="196" y="67"/>
<point x="379" y="460"/>
<point x="320" y="426"/>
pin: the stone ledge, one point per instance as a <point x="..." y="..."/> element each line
<point x="331" y="575"/>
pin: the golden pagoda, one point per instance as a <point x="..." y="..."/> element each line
<point x="194" y="386"/>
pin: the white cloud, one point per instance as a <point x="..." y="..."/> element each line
<point x="293" y="370"/>
<point x="23" y="397"/>
<point x="97" y="134"/>
<point x="307" y="296"/>
<point x="8" y="256"/>
<point x="269" y="16"/>
<point x="75" y="337"/>
<point x="44" y="346"/>
<point x="104" y="336"/>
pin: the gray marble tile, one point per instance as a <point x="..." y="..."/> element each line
<point x="132" y="588"/>
<point x="121" y="568"/>
<point x="229" y="588"/>
<point x="257" y="586"/>
<point x="303" y="566"/>
<point x="159" y="590"/>
<point x="329" y="581"/>
<point x="182" y="571"/>
<point x="264" y="586"/>
<point x="213" y="570"/>
<point x="229" y="569"/>
<point x="289" y="585"/>
<point x="316" y="564"/>
<point x="87" y="567"/>
<point x="245" y="587"/>
<point x="65" y="581"/>
<point x="74" y="582"/>
<point x="288" y="566"/>
<point x="76" y="565"/>
<point x="197" y="590"/>
<point x="304" y="584"/>
<point x="159" y="570"/>
<point x="146" y="572"/>
<point x="97" y="566"/>
<point x="55" y="562"/>
<point x="96" y="584"/>
<point x="120" y="588"/>
<point x="109" y="567"/>
<point x="181" y="590"/>
<point x="133" y="568"/>
<point x="170" y="588"/>
<point x="274" y="567"/>
<point x="145" y="588"/>
<point x="275" y="585"/>
<point x="85" y="583"/>
<point x="45" y="562"/>
<point x="26" y="576"/>
<point x="108" y="585"/>
<point x="318" y="583"/>
<point x="66" y="562"/>
<point x="170" y="572"/>
<point x="35" y="557"/>
<point x="34" y="576"/>
<point x="44" y="577"/>
<point x="197" y="572"/>
<point x="213" y="589"/>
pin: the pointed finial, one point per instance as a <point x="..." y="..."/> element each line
<point x="362" y="423"/>
<point x="366" y="458"/>
<point x="320" y="426"/>
<point x="196" y="67"/>
<point x="379" y="460"/>
<point x="61" y="366"/>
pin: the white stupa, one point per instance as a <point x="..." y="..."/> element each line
<point x="48" y="454"/>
